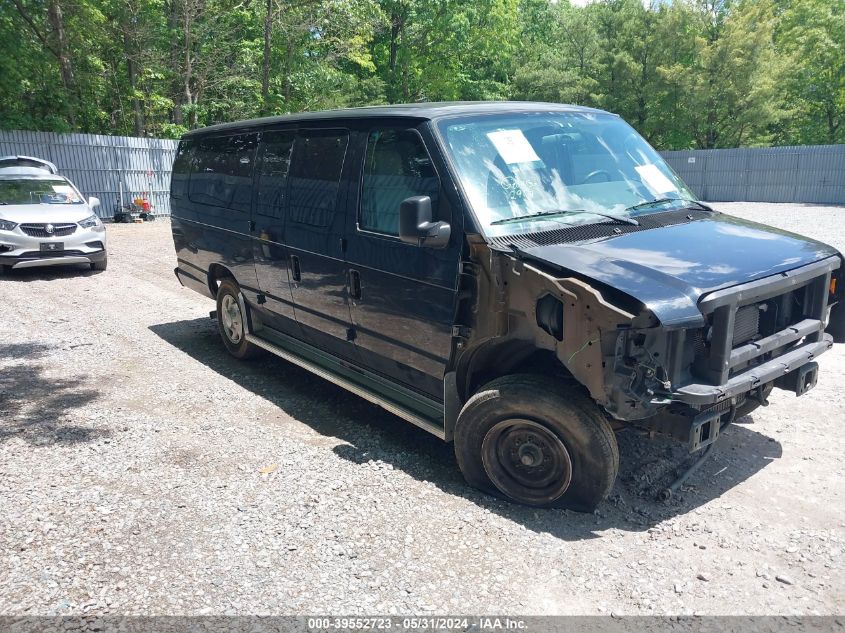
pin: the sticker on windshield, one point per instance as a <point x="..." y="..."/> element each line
<point x="655" y="179"/>
<point x="65" y="193"/>
<point x="513" y="147"/>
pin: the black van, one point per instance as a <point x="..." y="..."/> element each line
<point x="520" y="278"/>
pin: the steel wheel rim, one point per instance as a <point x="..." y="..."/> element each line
<point x="231" y="319"/>
<point x="526" y="461"/>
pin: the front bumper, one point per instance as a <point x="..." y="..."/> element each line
<point x="703" y="394"/>
<point x="82" y="246"/>
<point x="728" y="370"/>
<point x="58" y="258"/>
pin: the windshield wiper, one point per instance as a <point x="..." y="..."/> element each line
<point x="656" y="201"/>
<point x="545" y="214"/>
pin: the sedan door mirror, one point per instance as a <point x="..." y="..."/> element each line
<point x="416" y="227"/>
<point x="93" y="202"/>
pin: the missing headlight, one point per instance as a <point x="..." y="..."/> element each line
<point x="550" y="316"/>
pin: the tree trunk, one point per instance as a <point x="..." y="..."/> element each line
<point x="642" y="103"/>
<point x="286" y="85"/>
<point x="175" y="62"/>
<point x="832" y="126"/>
<point x="265" y="61"/>
<point x="187" y="69"/>
<point x="397" y="24"/>
<point x="57" y="24"/>
<point x="132" y="74"/>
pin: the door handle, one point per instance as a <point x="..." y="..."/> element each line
<point x="354" y="284"/>
<point x="296" y="272"/>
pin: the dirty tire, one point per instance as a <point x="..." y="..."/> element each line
<point x="100" y="265"/>
<point x="558" y="415"/>
<point x="238" y="347"/>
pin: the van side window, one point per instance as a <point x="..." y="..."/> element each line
<point x="222" y="173"/>
<point x="274" y="164"/>
<point x="397" y="166"/>
<point x="315" y="176"/>
<point x="181" y="169"/>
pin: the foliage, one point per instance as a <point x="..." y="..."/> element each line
<point x="685" y="73"/>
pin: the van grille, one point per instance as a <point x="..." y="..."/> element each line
<point x="746" y="324"/>
<point x="761" y="330"/>
<point x="40" y="230"/>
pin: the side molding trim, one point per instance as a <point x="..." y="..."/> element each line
<point x="349" y="385"/>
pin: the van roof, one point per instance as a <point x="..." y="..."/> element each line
<point x="420" y="111"/>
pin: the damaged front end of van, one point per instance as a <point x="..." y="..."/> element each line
<point x="677" y="327"/>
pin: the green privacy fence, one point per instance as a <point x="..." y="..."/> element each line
<point x="103" y="166"/>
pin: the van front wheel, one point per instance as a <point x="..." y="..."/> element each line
<point x="231" y="321"/>
<point x="531" y="440"/>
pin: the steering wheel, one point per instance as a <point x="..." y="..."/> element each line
<point x="596" y="173"/>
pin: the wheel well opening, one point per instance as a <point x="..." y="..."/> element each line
<point x="216" y="272"/>
<point x="512" y="357"/>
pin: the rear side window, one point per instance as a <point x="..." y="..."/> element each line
<point x="181" y="169"/>
<point x="397" y="166"/>
<point x="272" y="174"/>
<point x="222" y="172"/>
<point x="315" y="176"/>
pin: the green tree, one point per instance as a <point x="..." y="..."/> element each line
<point x="729" y="95"/>
<point x="445" y="49"/>
<point x="686" y="73"/>
<point x="812" y="37"/>
<point x="559" y="60"/>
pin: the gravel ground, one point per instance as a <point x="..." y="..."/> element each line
<point x="144" y="471"/>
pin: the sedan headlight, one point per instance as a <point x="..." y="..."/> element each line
<point x="5" y="225"/>
<point x="91" y="222"/>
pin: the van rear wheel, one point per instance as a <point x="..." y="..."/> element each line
<point x="231" y="321"/>
<point x="526" y="438"/>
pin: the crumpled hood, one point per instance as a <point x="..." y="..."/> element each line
<point x="668" y="269"/>
<point x="55" y="213"/>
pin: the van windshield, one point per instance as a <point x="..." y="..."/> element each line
<point x="37" y="191"/>
<point x="524" y="170"/>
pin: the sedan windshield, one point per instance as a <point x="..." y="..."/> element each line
<point x="37" y="191"/>
<point x="522" y="170"/>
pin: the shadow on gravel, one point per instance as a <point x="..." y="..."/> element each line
<point x="48" y="273"/>
<point x="36" y="408"/>
<point x="371" y="434"/>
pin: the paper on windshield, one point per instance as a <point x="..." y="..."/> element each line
<point x="67" y="192"/>
<point x="512" y="146"/>
<point x="655" y="179"/>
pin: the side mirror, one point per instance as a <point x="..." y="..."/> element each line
<point x="93" y="202"/>
<point x="416" y="227"/>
